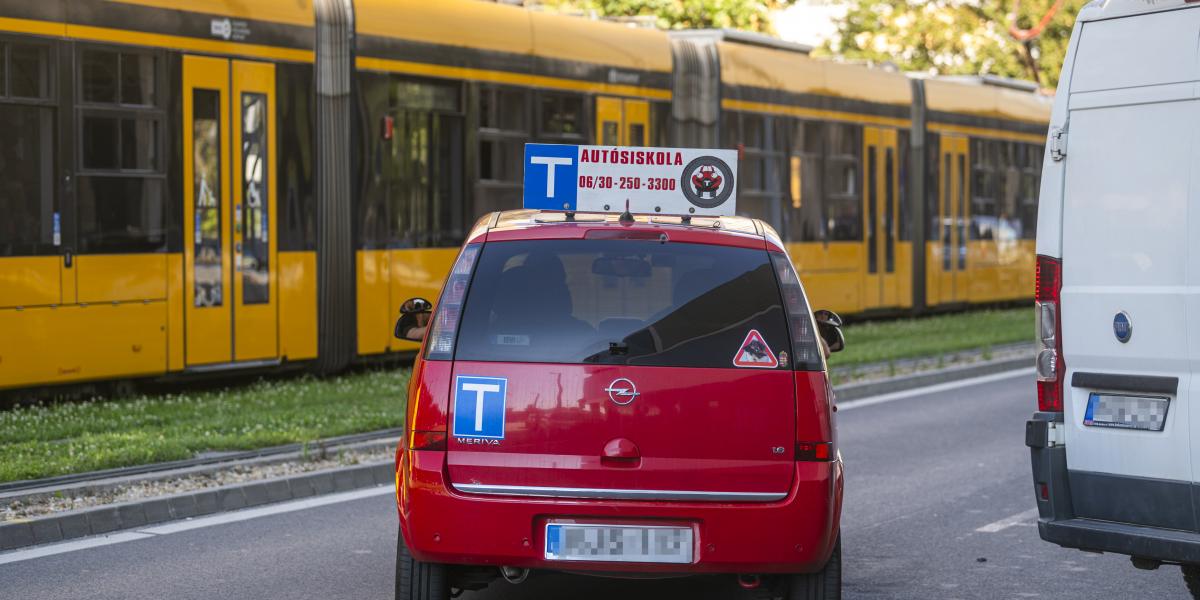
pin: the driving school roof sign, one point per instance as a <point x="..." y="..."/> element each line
<point x="670" y="181"/>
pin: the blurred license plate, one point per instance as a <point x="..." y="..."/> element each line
<point x="1126" y="412"/>
<point x="618" y="543"/>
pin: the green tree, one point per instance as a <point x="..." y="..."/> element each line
<point x="751" y="15"/>
<point x="956" y="37"/>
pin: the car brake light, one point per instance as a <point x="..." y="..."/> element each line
<point x="806" y="352"/>
<point x="445" y="320"/>
<point x="1049" y="334"/>
<point x="814" y="451"/>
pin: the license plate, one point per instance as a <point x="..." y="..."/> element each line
<point x="618" y="543"/>
<point x="1126" y="412"/>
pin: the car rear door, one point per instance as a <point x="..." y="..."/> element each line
<point x="606" y="369"/>
<point x="1129" y="227"/>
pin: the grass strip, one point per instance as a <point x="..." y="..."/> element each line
<point x="886" y="341"/>
<point x="57" y="439"/>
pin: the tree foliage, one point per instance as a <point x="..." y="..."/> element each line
<point x="751" y="15"/>
<point x="956" y="37"/>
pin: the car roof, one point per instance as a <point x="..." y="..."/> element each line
<point x="1109" y="9"/>
<point x="534" y="224"/>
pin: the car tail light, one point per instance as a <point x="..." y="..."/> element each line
<point x="449" y="309"/>
<point x="427" y="440"/>
<point x="814" y="451"/>
<point x="806" y="352"/>
<point x="1049" y="334"/>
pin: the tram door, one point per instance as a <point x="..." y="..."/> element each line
<point x="230" y="281"/>
<point x="622" y="122"/>
<point x="951" y="283"/>
<point x="880" y="210"/>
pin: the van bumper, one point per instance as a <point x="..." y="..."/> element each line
<point x="443" y="525"/>
<point x="1059" y="524"/>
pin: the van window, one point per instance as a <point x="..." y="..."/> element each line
<point x="623" y="302"/>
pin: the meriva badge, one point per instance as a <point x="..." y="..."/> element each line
<point x="1122" y="327"/>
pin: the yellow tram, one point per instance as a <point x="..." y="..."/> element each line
<point x="205" y="185"/>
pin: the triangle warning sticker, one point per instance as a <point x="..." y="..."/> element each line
<point x="755" y="353"/>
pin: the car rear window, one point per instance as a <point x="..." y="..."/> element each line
<point x="623" y="302"/>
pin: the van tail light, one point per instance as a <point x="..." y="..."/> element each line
<point x="1049" y="334"/>
<point x="449" y="310"/>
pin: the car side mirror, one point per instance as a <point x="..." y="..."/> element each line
<point x="829" y="325"/>
<point x="414" y="319"/>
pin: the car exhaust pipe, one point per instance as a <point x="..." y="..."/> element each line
<point x="749" y="582"/>
<point x="514" y="575"/>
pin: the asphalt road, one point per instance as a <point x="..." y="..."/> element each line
<point x="938" y="502"/>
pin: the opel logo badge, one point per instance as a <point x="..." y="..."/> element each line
<point x="1122" y="327"/>
<point x="622" y="391"/>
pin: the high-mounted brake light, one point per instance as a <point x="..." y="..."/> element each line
<point x="1049" y="334"/>
<point x="445" y="321"/>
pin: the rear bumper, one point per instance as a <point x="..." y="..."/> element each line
<point x="794" y="535"/>
<point x="1065" y="521"/>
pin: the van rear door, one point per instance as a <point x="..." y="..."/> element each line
<point x="1129" y="226"/>
<point x="607" y="368"/>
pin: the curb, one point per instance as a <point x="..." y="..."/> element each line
<point x="139" y="513"/>
<point x="858" y="391"/>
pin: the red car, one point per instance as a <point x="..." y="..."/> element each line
<point x="620" y="397"/>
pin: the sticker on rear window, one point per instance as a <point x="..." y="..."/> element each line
<point x="479" y="404"/>
<point x="755" y="353"/>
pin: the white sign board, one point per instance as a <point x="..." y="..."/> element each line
<point x="669" y="181"/>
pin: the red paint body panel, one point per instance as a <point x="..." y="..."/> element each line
<point x="696" y="429"/>
<point x="795" y="535"/>
<point x="689" y="429"/>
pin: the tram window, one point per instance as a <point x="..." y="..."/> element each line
<point x="562" y="117"/>
<point x="806" y="222"/>
<point x="3" y="69"/>
<point x="256" y="247"/>
<point x="28" y="71"/>
<point x="985" y="156"/>
<point x="111" y="142"/>
<point x="843" y="202"/>
<point x="26" y="190"/>
<point x="137" y="79"/>
<point x="1008" y="175"/>
<point x="120" y="214"/>
<point x="504" y="109"/>
<point x="933" y="183"/>
<point x="501" y="160"/>
<point x="99" y="76"/>
<point x="904" y="224"/>
<point x="504" y="127"/>
<point x="294" y="152"/>
<point x="425" y="95"/>
<point x="207" y="199"/>
<point x="1031" y="182"/>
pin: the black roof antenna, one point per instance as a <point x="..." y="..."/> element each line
<point x="626" y="217"/>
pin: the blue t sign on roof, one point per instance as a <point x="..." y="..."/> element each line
<point x="551" y="174"/>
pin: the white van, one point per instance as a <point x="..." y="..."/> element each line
<point x="1115" y="468"/>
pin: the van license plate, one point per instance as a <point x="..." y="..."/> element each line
<point x="618" y="543"/>
<point x="1120" y="411"/>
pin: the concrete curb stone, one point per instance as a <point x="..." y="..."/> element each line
<point x="858" y="391"/>
<point x="139" y="513"/>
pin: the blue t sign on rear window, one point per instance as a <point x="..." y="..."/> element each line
<point x="479" y="407"/>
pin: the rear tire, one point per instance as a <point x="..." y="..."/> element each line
<point x="416" y="580"/>
<point x="825" y="584"/>
<point x="1191" y="576"/>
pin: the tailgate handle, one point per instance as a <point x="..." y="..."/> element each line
<point x="1147" y="384"/>
<point x="621" y="452"/>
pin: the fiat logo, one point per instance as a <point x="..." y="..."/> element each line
<point x="622" y="391"/>
<point x="1122" y="327"/>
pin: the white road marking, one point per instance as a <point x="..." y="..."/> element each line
<point x="190" y="524"/>
<point x="934" y="389"/>
<point x="1012" y="521"/>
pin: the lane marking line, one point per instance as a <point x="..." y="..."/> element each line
<point x="934" y="389"/>
<point x="195" y="523"/>
<point x="1012" y="521"/>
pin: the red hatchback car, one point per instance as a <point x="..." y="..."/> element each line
<point x="619" y="397"/>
